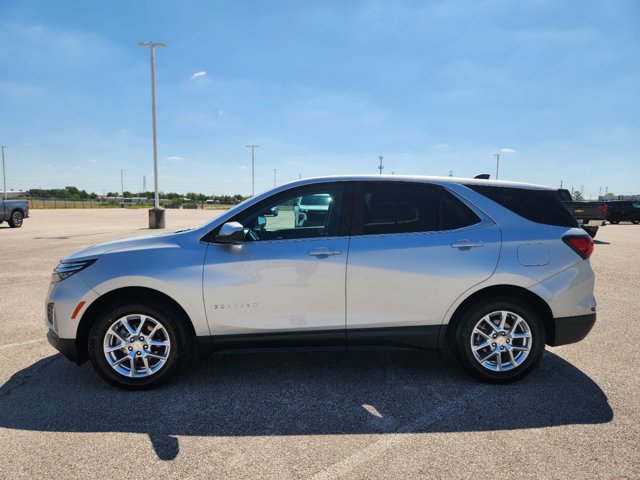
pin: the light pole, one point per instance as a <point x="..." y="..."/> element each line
<point x="156" y="215"/>
<point x="122" y="186"/>
<point x="253" y="168"/>
<point x="4" y="175"/>
<point x="274" y="176"/>
<point x="497" y="155"/>
<point x="380" y="167"/>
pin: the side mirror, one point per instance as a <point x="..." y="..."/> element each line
<point x="231" y="232"/>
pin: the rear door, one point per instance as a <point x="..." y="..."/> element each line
<point x="415" y="249"/>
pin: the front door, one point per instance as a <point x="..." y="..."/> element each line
<point x="288" y="276"/>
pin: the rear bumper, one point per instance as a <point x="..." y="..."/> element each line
<point x="571" y="329"/>
<point x="66" y="346"/>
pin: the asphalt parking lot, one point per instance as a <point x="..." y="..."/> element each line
<point x="312" y="415"/>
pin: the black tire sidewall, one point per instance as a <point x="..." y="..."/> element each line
<point x="462" y="341"/>
<point x="12" y="222"/>
<point x="170" y="319"/>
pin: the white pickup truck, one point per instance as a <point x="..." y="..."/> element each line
<point x="13" y="212"/>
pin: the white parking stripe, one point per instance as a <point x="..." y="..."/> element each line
<point x="388" y="441"/>
<point x="28" y="342"/>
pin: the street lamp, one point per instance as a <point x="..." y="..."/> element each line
<point x="156" y="214"/>
<point x="4" y="175"/>
<point x="253" y="168"/>
<point x="497" y="155"/>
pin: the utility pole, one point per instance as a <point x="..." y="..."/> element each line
<point x="380" y="167"/>
<point x="144" y="184"/>
<point x="497" y="155"/>
<point x="122" y="185"/>
<point x="156" y="218"/>
<point x="274" y="176"/>
<point x="253" y="168"/>
<point x="560" y="183"/>
<point x="4" y="175"/>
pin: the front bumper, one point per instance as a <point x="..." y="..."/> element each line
<point x="571" y="329"/>
<point x="66" y="346"/>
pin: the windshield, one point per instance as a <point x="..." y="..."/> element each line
<point x="322" y="200"/>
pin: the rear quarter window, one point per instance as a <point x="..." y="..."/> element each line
<point x="540" y="206"/>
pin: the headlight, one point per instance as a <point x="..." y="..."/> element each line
<point x="66" y="269"/>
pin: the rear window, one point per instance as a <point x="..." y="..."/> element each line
<point x="405" y="207"/>
<point x="540" y="206"/>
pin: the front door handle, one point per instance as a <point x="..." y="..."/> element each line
<point x="323" y="252"/>
<point x="466" y="244"/>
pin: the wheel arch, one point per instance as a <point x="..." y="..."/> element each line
<point x="121" y="295"/>
<point x="517" y="293"/>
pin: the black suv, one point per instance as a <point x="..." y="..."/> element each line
<point x="623" y="211"/>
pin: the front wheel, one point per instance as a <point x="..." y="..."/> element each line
<point x="499" y="340"/>
<point x="16" y="219"/>
<point x="138" y="346"/>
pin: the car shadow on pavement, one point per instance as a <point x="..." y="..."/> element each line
<point x="300" y="394"/>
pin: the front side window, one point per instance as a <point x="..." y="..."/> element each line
<point x="304" y="213"/>
<point x="405" y="207"/>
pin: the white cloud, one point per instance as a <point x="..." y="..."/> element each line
<point x="507" y="150"/>
<point x="92" y="160"/>
<point x="174" y="158"/>
<point x="198" y="75"/>
<point x="242" y="167"/>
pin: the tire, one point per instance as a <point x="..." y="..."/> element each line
<point x="509" y="358"/>
<point x="139" y="364"/>
<point x="614" y="220"/>
<point x="16" y="219"/>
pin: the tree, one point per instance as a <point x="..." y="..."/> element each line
<point x="577" y="196"/>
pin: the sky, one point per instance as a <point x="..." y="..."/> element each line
<point x="324" y="88"/>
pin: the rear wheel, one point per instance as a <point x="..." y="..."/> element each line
<point x="499" y="340"/>
<point x="139" y="346"/>
<point x="16" y="219"/>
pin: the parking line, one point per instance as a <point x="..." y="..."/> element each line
<point x="375" y="450"/>
<point x="28" y="342"/>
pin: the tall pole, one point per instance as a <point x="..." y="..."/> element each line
<point x="274" y="176"/>
<point x="159" y="219"/>
<point x="253" y="168"/>
<point x="122" y="184"/>
<point x="4" y="175"/>
<point x="497" y="155"/>
<point x="380" y="167"/>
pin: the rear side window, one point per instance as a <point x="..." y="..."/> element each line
<point x="403" y="208"/>
<point x="540" y="206"/>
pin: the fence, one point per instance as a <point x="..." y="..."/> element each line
<point x="44" y="203"/>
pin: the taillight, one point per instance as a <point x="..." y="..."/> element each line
<point x="581" y="244"/>
<point x="605" y="209"/>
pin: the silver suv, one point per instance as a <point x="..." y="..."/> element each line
<point x="494" y="270"/>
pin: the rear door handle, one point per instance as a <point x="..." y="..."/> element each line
<point x="466" y="244"/>
<point x="323" y="252"/>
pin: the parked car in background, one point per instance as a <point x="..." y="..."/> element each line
<point x="590" y="215"/>
<point x="494" y="270"/>
<point x="623" y="211"/>
<point x="13" y="212"/>
<point x="311" y="210"/>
